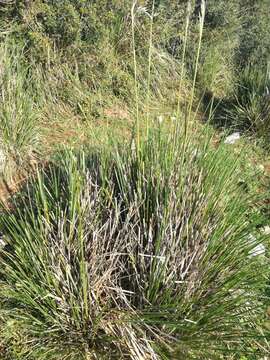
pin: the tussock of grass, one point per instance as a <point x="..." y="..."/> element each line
<point x="252" y="109"/>
<point x="131" y="254"/>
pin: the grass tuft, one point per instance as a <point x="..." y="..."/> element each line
<point x="131" y="255"/>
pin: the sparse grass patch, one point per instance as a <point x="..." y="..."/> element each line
<point x="19" y="134"/>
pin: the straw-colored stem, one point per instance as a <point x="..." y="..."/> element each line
<point x="149" y="67"/>
<point x="189" y="107"/>
<point x="183" y="59"/>
<point x="201" y="24"/>
<point x="135" y="73"/>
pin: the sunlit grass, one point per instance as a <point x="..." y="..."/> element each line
<point x="19" y="133"/>
<point x="120" y="254"/>
<point x="137" y="248"/>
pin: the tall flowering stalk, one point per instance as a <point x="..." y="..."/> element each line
<point x="133" y="13"/>
<point x="149" y="65"/>
<point x="183" y="56"/>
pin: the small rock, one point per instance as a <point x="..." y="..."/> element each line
<point x="266" y="230"/>
<point x="231" y="139"/>
<point x="258" y="249"/>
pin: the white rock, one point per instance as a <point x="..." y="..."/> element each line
<point x="258" y="249"/>
<point x="266" y="230"/>
<point x="231" y="139"/>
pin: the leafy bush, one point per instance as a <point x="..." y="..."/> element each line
<point x="142" y="252"/>
<point x="65" y="23"/>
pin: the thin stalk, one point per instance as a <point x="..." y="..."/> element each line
<point x="202" y="16"/>
<point x="135" y="72"/>
<point x="183" y="58"/>
<point x="189" y="107"/>
<point x="149" y="68"/>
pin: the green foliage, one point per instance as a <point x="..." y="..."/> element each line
<point x="65" y="23"/>
<point x="254" y="35"/>
<point x="220" y="42"/>
<point x="18" y="114"/>
<point x="252" y="109"/>
<point x="234" y="33"/>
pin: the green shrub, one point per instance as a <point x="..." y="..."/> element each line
<point x="237" y="30"/>
<point x="131" y="254"/>
<point x="67" y="22"/>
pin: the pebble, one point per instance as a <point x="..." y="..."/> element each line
<point x="231" y="139"/>
<point x="266" y="230"/>
<point x="258" y="249"/>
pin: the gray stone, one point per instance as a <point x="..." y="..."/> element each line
<point x="231" y="139"/>
<point x="258" y="249"/>
<point x="266" y="230"/>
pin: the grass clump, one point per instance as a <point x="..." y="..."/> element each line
<point x="251" y="111"/>
<point x="134" y="254"/>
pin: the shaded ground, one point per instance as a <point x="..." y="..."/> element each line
<point x="67" y="130"/>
